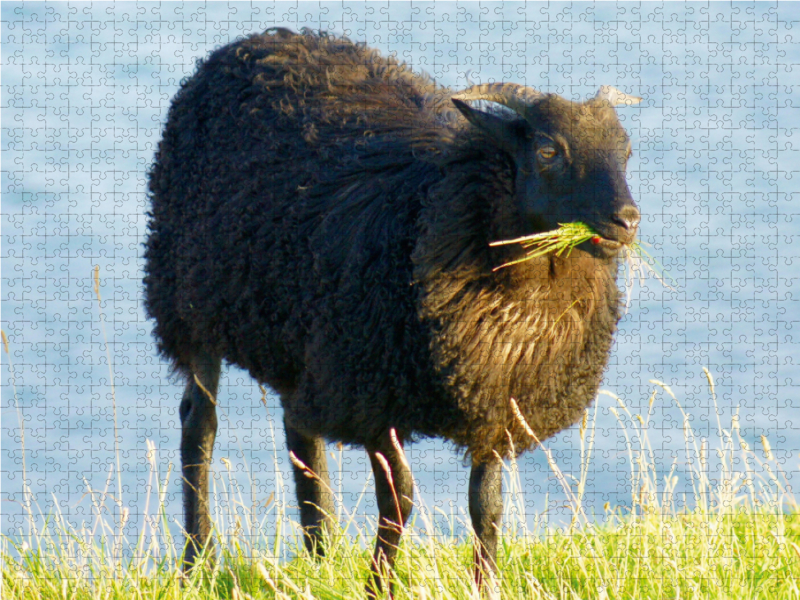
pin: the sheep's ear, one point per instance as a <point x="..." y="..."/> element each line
<point x="508" y="134"/>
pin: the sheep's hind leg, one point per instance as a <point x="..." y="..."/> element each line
<point x="314" y="493"/>
<point x="198" y="431"/>
<point x="486" y="511"/>
<point x="395" y="491"/>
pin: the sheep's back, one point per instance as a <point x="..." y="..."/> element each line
<point x="264" y="220"/>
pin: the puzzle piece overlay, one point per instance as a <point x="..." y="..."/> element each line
<point x="714" y="171"/>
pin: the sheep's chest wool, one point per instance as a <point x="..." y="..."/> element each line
<point x="547" y="348"/>
<point x="322" y="217"/>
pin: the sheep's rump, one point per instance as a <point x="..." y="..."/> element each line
<point x="284" y="194"/>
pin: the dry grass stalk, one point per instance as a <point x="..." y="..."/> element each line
<point x="569" y="235"/>
<point x="388" y="470"/>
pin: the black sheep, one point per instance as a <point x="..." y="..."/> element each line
<point x="321" y="216"/>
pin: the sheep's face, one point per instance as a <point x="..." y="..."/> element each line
<point x="570" y="166"/>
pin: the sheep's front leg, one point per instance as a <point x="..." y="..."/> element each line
<point x="198" y="429"/>
<point x="395" y="490"/>
<point x="486" y="511"/>
<point x="313" y="488"/>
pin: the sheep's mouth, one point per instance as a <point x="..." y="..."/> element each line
<point x="610" y="238"/>
<point x="602" y="247"/>
<point x="606" y="243"/>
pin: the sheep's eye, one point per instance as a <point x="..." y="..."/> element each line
<point x="547" y="152"/>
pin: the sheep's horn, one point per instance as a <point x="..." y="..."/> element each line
<point x="513" y="95"/>
<point x="614" y="97"/>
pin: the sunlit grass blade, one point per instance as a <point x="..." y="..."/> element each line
<point x="569" y="235"/>
<point x="565" y="238"/>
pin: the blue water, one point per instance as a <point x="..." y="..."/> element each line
<point x="85" y="93"/>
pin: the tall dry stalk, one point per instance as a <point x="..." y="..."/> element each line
<point x="27" y="494"/>
<point x="119" y="500"/>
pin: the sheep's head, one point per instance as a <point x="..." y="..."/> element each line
<point x="570" y="158"/>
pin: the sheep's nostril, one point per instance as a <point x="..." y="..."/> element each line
<point x="627" y="218"/>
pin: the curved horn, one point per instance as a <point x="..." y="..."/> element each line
<point x="512" y="95"/>
<point x="614" y="97"/>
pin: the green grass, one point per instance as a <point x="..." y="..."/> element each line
<point x="736" y="536"/>
<point x="737" y="554"/>
<point x="557" y="241"/>
<point x="638" y="261"/>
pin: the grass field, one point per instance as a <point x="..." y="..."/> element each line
<point x="738" y="537"/>
<point x="735" y="536"/>
<point x="738" y="555"/>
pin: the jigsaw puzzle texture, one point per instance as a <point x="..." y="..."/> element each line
<point x="86" y="88"/>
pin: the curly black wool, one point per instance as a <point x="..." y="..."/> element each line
<point x="321" y="216"/>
